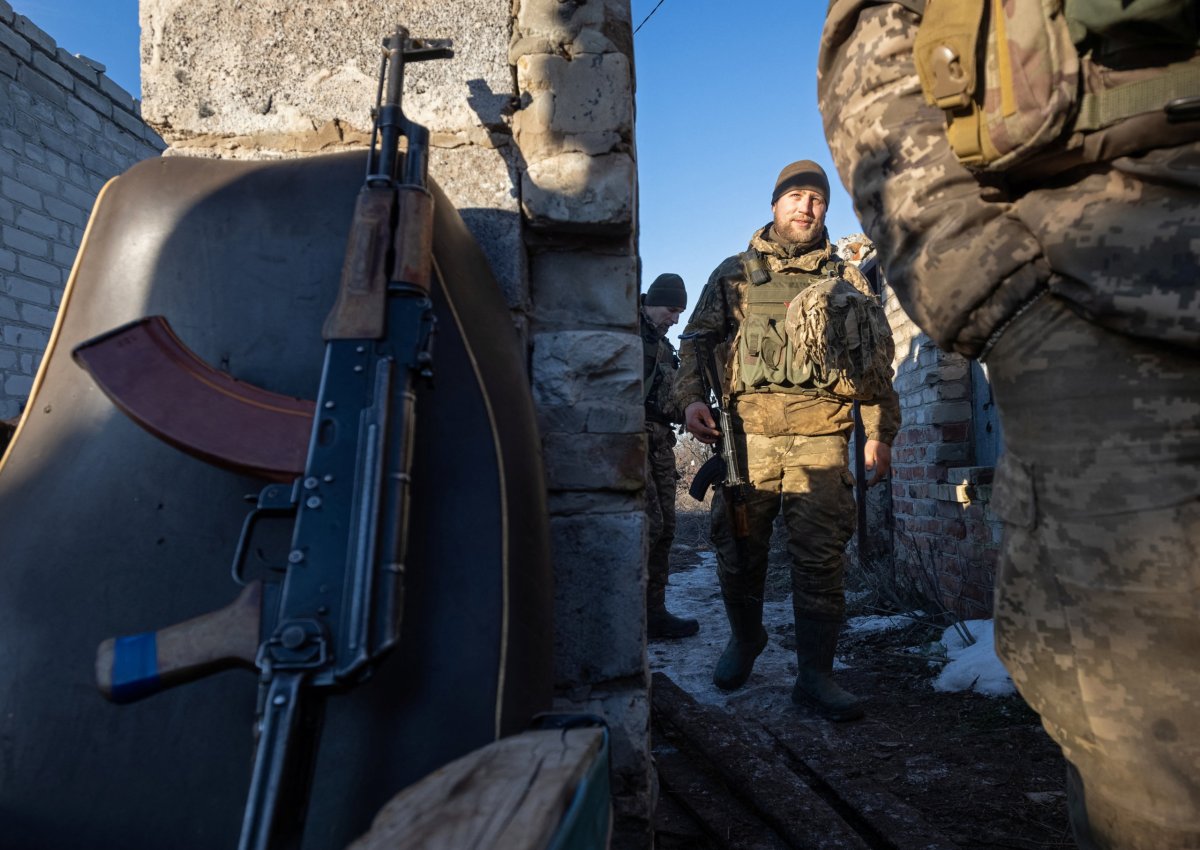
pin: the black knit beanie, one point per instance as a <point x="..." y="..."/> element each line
<point x="666" y="291"/>
<point x="804" y="174"/>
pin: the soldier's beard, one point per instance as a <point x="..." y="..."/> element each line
<point x="799" y="233"/>
<point x="660" y="328"/>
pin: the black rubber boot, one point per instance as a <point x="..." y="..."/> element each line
<point x="816" y="641"/>
<point x="662" y="624"/>
<point x="747" y="642"/>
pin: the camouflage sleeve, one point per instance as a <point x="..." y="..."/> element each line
<point x="710" y="317"/>
<point x="960" y="262"/>
<point x="881" y="415"/>
<point x="670" y="405"/>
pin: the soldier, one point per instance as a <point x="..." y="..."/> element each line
<point x="1069" y="266"/>
<point x="780" y="310"/>
<point x="662" y="305"/>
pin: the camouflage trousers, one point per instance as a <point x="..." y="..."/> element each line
<point x="661" y="477"/>
<point x="1098" y="588"/>
<point x="808" y="479"/>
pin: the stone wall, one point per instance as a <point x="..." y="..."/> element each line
<point x="65" y="129"/>
<point x="575" y="132"/>
<point x="532" y="137"/>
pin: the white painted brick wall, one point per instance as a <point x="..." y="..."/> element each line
<point x="65" y="130"/>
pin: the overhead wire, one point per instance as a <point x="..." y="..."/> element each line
<point x="648" y="17"/>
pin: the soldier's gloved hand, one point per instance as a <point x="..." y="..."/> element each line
<point x="878" y="457"/>
<point x="700" y="424"/>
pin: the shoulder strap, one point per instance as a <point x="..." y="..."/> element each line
<point x="1104" y="108"/>
<point x="753" y="267"/>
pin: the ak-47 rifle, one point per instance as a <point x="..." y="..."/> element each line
<point x="722" y="469"/>
<point x="334" y="609"/>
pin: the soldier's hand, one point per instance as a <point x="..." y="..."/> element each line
<point x="878" y="457"/>
<point x="699" y="421"/>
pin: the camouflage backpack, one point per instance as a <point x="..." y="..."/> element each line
<point x="840" y="341"/>
<point x="812" y="333"/>
<point x="1044" y="84"/>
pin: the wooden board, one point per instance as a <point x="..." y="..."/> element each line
<point x="511" y="794"/>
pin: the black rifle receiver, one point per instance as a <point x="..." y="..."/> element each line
<point x="325" y="619"/>
<point x="722" y="468"/>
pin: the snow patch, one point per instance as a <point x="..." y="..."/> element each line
<point x="975" y="667"/>
<point x="872" y="624"/>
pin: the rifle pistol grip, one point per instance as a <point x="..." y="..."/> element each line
<point x="135" y="666"/>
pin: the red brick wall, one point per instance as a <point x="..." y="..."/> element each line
<point x="942" y="532"/>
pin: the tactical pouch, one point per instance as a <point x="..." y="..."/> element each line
<point x="1012" y="98"/>
<point x="761" y="353"/>
<point x="1025" y="80"/>
<point x="754" y="268"/>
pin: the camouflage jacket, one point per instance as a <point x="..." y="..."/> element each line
<point x="720" y="311"/>
<point x="965" y="255"/>
<point x="658" y="375"/>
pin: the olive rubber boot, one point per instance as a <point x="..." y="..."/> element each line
<point x="816" y="641"/>
<point x="746" y="643"/>
<point x="661" y="623"/>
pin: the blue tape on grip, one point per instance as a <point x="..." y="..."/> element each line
<point x="135" y="667"/>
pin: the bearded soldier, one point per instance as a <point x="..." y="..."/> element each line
<point x="662" y="306"/>
<point x="779" y="313"/>
<point x="1030" y="175"/>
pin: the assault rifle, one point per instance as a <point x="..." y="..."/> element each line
<point x="722" y="469"/>
<point x="322" y="621"/>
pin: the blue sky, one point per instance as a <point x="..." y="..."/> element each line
<point x="726" y="96"/>
<point x="724" y="101"/>
<point x="104" y="30"/>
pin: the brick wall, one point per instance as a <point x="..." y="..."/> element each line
<point x="65" y="129"/>
<point x="942" y="532"/>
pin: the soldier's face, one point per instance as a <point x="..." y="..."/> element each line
<point x="800" y="216"/>
<point x="663" y="317"/>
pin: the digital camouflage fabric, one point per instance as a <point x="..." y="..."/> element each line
<point x="1081" y="292"/>
<point x="1098" y="588"/>
<point x="930" y="218"/>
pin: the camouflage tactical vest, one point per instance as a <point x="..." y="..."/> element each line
<point x="811" y="333"/>
<point x="659" y="364"/>
<point x="1036" y="86"/>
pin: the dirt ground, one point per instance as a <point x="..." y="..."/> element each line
<point x="979" y="771"/>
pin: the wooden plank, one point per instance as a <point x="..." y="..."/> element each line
<point x="511" y="794"/>
<point x="883" y="816"/>
<point x="689" y="782"/>
<point x="752" y="769"/>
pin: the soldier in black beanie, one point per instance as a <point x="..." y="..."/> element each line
<point x="786" y="314"/>
<point x="662" y="306"/>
